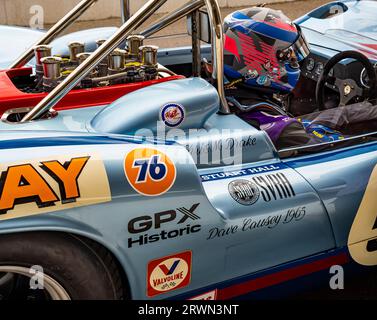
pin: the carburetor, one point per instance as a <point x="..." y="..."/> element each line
<point x="41" y="52"/>
<point x="52" y="72"/>
<point x="149" y="63"/>
<point x="135" y="63"/>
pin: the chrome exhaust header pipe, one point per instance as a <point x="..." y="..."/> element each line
<point x="66" y="21"/>
<point x="97" y="56"/>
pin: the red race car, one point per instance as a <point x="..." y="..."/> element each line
<point x="23" y="85"/>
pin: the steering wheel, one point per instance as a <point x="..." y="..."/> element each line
<point x="347" y="88"/>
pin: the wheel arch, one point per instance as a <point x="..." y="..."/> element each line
<point x="92" y="241"/>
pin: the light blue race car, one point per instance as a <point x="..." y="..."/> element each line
<point x="171" y="191"/>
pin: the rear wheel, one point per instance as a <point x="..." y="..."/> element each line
<point x="56" y="266"/>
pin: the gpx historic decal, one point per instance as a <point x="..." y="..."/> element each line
<point x="149" y="171"/>
<point x="362" y="240"/>
<point x="58" y="183"/>
<point x="164" y="225"/>
<point x="169" y="273"/>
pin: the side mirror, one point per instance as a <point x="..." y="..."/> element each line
<point x="205" y="26"/>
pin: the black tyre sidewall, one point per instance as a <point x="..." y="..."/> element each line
<point x="65" y="258"/>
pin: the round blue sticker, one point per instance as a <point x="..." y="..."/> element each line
<point x="172" y="114"/>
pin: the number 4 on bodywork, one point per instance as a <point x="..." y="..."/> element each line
<point x="362" y="240"/>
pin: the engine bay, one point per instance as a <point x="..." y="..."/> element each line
<point x="134" y="63"/>
<point x="126" y="69"/>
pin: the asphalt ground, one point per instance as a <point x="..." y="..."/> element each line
<point x="179" y="30"/>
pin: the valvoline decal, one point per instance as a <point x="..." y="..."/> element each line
<point x="169" y="273"/>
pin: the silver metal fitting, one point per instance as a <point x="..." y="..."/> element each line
<point x="149" y="55"/>
<point x="74" y="49"/>
<point x="100" y="42"/>
<point x="51" y="67"/>
<point x="52" y="72"/>
<point x="41" y="52"/>
<point x="102" y="67"/>
<point x="134" y="42"/>
<point x="117" y="60"/>
<point x="81" y="57"/>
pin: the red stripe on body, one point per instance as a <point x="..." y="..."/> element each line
<point x="373" y="46"/>
<point x="282" y="276"/>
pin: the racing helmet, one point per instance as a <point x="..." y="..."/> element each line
<point x="263" y="49"/>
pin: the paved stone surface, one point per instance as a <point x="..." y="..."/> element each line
<point x="291" y="9"/>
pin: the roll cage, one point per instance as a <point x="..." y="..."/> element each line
<point x="130" y="24"/>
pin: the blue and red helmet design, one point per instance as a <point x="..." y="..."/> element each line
<point x="263" y="47"/>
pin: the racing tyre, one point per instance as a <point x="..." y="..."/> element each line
<point x="71" y="269"/>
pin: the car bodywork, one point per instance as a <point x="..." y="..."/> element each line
<point x="21" y="38"/>
<point x="189" y="233"/>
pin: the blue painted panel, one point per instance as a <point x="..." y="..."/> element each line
<point x="340" y="178"/>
